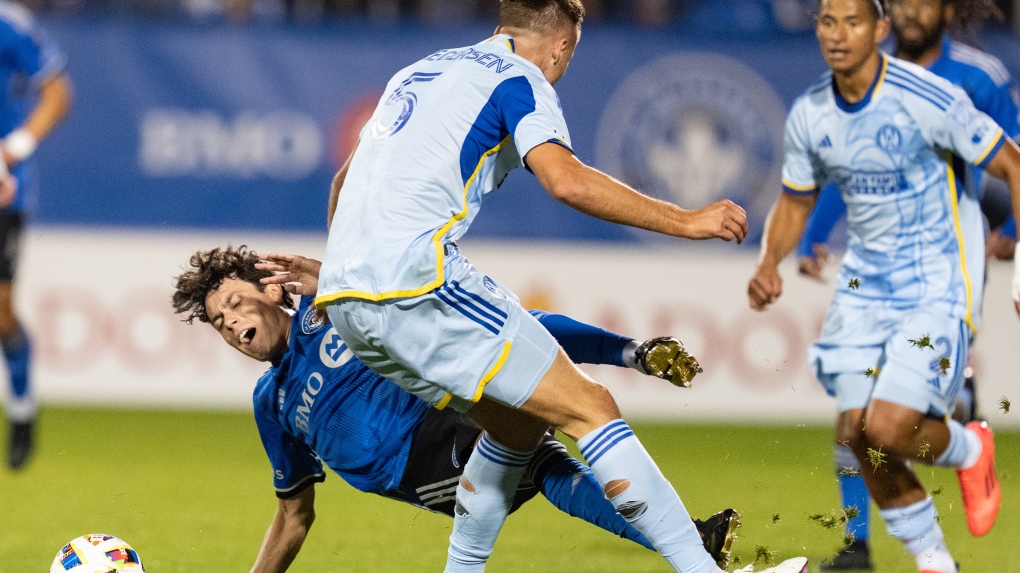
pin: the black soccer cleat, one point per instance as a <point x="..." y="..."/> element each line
<point x="19" y="448"/>
<point x="717" y="533"/>
<point x="666" y="358"/>
<point x="854" y="557"/>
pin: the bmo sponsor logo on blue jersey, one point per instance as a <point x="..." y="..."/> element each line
<point x="693" y="128"/>
<point x="281" y="145"/>
<point x="333" y="352"/>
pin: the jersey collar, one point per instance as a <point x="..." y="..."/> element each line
<point x="876" y="84"/>
<point x="503" y="41"/>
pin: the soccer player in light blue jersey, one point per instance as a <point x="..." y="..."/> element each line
<point x="922" y="29"/>
<point x="445" y="134"/>
<point x="35" y="97"/>
<point x="319" y="405"/>
<point x="893" y="138"/>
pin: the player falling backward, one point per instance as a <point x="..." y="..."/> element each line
<point x="318" y="404"/>
<point x="894" y="343"/>
<point x="447" y="131"/>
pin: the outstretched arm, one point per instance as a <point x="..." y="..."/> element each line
<point x="594" y="193"/>
<point x="783" y="229"/>
<point x="1006" y="166"/>
<point x="287" y="533"/>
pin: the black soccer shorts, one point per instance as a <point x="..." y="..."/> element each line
<point x="10" y="239"/>
<point x="439" y="450"/>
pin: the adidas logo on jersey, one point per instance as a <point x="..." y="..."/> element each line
<point x="825" y="142"/>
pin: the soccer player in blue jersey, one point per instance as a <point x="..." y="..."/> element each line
<point x="894" y="138"/>
<point x="319" y="405"/>
<point x="447" y="132"/>
<point x="36" y="97"/>
<point x="922" y="29"/>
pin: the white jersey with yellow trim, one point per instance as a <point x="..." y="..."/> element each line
<point x="897" y="157"/>
<point x="446" y="132"/>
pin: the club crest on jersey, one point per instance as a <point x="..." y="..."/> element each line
<point x="889" y="138"/>
<point x="310" y="322"/>
<point x="693" y="128"/>
<point x="333" y="351"/>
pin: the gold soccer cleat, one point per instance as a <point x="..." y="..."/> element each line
<point x="666" y="358"/>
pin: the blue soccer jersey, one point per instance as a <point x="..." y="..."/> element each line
<point x="897" y="156"/>
<point x="988" y="84"/>
<point x="319" y="404"/>
<point x="29" y="58"/>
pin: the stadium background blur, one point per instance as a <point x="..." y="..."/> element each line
<point x="204" y="122"/>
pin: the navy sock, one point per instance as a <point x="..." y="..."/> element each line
<point x="17" y="351"/>
<point x="570" y="486"/>
<point x="584" y="343"/>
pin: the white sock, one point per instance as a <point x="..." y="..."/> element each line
<point x="630" y="356"/>
<point x="916" y="526"/>
<point x="643" y="497"/>
<point x="494" y="471"/>
<point x="963" y="450"/>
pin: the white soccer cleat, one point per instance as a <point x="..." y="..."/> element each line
<point x="795" y="565"/>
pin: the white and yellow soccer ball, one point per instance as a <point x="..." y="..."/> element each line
<point x="97" y="553"/>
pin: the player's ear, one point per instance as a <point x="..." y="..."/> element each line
<point x="275" y="293"/>
<point x="881" y="30"/>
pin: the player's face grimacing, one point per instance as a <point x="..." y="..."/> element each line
<point x="848" y="33"/>
<point x="249" y="319"/>
<point x="918" y="24"/>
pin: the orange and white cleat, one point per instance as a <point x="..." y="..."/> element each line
<point x="982" y="495"/>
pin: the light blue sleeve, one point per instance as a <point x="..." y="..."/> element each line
<point x="799" y="175"/>
<point x="962" y="128"/>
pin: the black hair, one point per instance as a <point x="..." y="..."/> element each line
<point x="208" y="271"/>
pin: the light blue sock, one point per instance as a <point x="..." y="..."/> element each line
<point x="853" y="492"/>
<point x="643" y="497"/>
<point x="963" y="450"/>
<point x="494" y="471"/>
<point x="569" y="485"/>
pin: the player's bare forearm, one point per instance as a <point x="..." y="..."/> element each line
<point x="1006" y="166"/>
<point x="287" y="533"/>
<point x="54" y="104"/>
<point x="594" y="193"/>
<point x="785" y="225"/>
<point x="334" y="189"/>
<point x="783" y="229"/>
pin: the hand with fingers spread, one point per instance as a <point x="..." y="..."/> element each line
<point x="298" y="275"/>
<point x="721" y="220"/>
<point x="765" y="287"/>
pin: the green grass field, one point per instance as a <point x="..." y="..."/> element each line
<point x="192" y="492"/>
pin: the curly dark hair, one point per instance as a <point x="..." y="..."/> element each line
<point x="968" y="17"/>
<point x="208" y="270"/>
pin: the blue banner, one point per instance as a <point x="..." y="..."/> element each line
<point x="217" y="127"/>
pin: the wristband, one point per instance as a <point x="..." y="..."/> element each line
<point x="1016" y="272"/>
<point x="19" y="144"/>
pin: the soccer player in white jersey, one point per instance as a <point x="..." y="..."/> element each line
<point x="894" y="343"/>
<point x="446" y="132"/>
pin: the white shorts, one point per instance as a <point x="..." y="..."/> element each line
<point x="855" y="339"/>
<point x="451" y="346"/>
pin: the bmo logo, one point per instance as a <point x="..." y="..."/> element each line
<point x="333" y="352"/>
<point x="282" y="145"/>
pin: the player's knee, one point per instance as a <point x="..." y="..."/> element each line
<point x="885" y="435"/>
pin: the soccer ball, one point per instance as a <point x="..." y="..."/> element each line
<point x="97" y="553"/>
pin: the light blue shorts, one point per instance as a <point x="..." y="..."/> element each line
<point x="855" y="339"/>
<point x="450" y="347"/>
